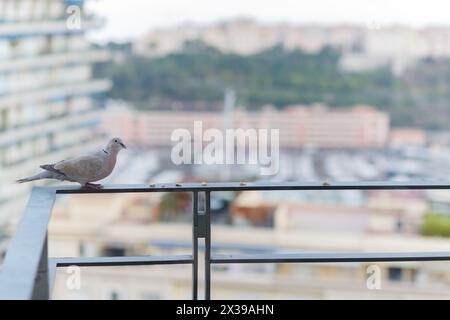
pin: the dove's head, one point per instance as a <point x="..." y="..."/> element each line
<point x="115" y="145"/>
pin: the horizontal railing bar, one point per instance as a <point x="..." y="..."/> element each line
<point x="251" y="248"/>
<point x="331" y="257"/>
<point x="252" y="186"/>
<point x="122" y="261"/>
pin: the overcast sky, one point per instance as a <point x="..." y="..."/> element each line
<point x="131" y="18"/>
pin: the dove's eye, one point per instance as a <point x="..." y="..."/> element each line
<point x="115" y="140"/>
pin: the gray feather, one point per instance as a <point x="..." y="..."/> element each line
<point x="42" y="175"/>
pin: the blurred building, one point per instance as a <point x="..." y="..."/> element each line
<point x="300" y="126"/>
<point x="398" y="47"/>
<point x="246" y="37"/>
<point x="125" y="225"/>
<point x="412" y="203"/>
<point x="356" y="211"/>
<point x="362" y="47"/>
<point x="48" y="105"/>
<point x="439" y="201"/>
<point x="254" y="209"/>
<point x="401" y="137"/>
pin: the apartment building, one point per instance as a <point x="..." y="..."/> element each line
<point x="362" y="47"/>
<point x="49" y="101"/>
<point x="245" y="37"/>
<point x="299" y="126"/>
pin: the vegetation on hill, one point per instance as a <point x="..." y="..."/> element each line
<point x="199" y="74"/>
<point x="436" y="225"/>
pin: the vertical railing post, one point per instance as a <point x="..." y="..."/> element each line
<point x="201" y="228"/>
<point x="195" y="245"/>
<point x="24" y="272"/>
<point x="41" y="289"/>
<point x="207" y="245"/>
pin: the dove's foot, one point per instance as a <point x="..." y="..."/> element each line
<point x="93" y="186"/>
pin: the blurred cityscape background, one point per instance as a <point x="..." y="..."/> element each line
<point x="355" y="97"/>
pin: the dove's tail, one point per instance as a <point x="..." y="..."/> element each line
<point x="38" y="176"/>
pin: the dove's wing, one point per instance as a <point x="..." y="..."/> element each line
<point x="82" y="168"/>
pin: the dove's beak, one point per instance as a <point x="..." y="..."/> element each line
<point x="124" y="146"/>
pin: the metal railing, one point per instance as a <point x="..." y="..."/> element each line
<point x="28" y="272"/>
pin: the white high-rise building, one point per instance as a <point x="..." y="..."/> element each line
<point x="49" y="101"/>
<point x="362" y="47"/>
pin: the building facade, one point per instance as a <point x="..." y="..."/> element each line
<point x="49" y="101"/>
<point x="299" y="126"/>
<point x="362" y="47"/>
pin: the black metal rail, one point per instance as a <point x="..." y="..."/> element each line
<point x="28" y="272"/>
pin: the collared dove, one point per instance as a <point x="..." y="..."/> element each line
<point x="84" y="169"/>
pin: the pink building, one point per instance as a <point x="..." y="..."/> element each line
<point x="299" y="126"/>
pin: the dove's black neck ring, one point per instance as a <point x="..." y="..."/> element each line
<point x="105" y="151"/>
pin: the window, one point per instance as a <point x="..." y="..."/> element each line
<point x="114" y="295"/>
<point x="395" y="274"/>
<point x="114" y="252"/>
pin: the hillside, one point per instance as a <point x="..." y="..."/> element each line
<point x="197" y="77"/>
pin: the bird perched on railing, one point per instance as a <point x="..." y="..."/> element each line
<point x="83" y="169"/>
